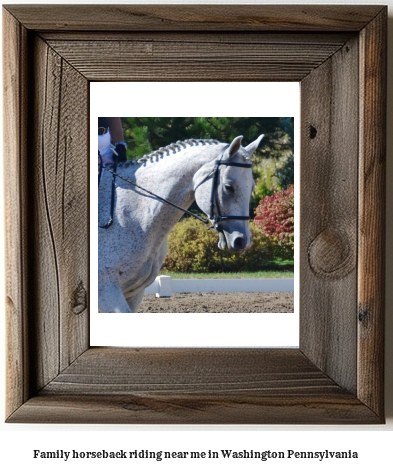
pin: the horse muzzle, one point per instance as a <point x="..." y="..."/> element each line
<point x="235" y="242"/>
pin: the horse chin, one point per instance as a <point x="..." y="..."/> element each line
<point x="222" y="242"/>
<point x="234" y="242"/>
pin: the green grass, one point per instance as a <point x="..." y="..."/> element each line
<point x="261" y="274"/>
<point x="275" y="269"/>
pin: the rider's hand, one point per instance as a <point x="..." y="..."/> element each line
<point x="121" y="152"/>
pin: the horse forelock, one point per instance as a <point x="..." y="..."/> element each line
<point x="171" y="149"/>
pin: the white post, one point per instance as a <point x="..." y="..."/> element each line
<point x="164" y="286"/>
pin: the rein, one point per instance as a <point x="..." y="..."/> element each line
<point x="109" y="223"/>
<point x="213" y="201"/>
<point x="205" y="221"/>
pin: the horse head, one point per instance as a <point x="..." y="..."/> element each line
<point x="223" y="189"/>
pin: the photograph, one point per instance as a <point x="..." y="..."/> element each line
<point x="202" y="224"/>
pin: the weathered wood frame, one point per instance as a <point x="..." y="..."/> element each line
<point x="338" y="53"/>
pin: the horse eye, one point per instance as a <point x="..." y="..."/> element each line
<point x="229" y="188"/>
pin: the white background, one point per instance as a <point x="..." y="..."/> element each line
<point x="229" y="99"/>
<point x="374" y="443"/>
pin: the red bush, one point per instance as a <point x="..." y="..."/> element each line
<point x="275" y="218"/>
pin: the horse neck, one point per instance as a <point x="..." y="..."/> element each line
<point x="171" y="178"/>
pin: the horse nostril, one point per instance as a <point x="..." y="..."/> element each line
<point x="239" y="243"/>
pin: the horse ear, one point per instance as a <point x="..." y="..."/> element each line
<point x="254" y="145"/>
<point x="233" y="147"/>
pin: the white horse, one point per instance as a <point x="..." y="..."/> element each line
<point x="132" y="249"/>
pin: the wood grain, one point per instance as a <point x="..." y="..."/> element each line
<point x="372" y="191"/>
<point x="328" y="253"/>
<point x="185" y="371"/>
<point x="197" y="18"/>
<point x="188" y="59"/>
<point x="16" y="229"/>
<point x="50" y="55"/>
<point x="239" y="409"/>
<point x="200" y="37"/>
<point x="60" y="242"/>
<point x="46" y="206"/>
<point x="193" y="386"/>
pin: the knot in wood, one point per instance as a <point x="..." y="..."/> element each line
<point x="80" y="299"/>
<point x="330" y="254"/>
<point x="313" y="132"/>
<point x="363" y="316"/>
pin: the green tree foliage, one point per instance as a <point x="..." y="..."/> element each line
<point x="146" y="134"/>
<point x="285" y="169"/>
<point x="285" y="173"/>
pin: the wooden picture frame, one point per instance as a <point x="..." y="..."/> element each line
<point x="338" y="54"/>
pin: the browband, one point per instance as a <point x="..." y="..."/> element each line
<point x="239" y="165"/>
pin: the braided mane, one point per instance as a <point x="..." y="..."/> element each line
<point x="171" y="150"/>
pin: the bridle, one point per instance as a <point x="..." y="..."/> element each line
<point x="217" y="217"/>
<point x="214" y="218"/>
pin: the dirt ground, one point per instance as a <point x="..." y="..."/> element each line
<point x="264" y="302"/>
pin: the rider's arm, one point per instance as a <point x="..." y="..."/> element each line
<point x="116" y="129"/>
<point x="117" y="136"/>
